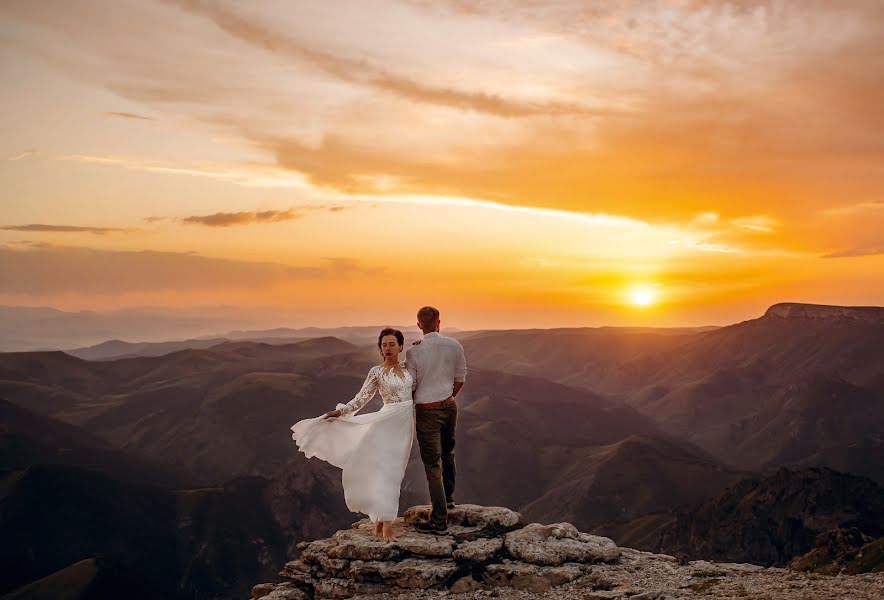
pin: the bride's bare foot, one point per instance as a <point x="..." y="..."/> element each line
<point x="388" y="531"/>
<point x="379" y="530"/>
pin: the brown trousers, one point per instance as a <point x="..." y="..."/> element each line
<point x="435" y="437"/>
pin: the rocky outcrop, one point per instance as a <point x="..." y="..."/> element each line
<point x="796" y="310"/>
<point x="635" y="575"/>
<point x="487" y="547"/>
<point x="841" y="551"/>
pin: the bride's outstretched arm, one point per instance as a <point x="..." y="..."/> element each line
<point x="369" y="388"/>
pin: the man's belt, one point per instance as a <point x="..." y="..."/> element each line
<point x="447" y="402"/>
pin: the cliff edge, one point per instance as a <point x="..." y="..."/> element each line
<point x="492" y="552"/>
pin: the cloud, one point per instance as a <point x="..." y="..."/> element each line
<point x="853" y="252"/>
<point x="251" y="174"/>
<point x="362" y="72"/>
<point x="126" y="115"/>
<point x="741" y="107"/>
<point x="854" y="209"/>
<point x="759" y="223"/>
<point x="63" y="228"/>
<point x="23" y="154"/>
<point x="55" y="269"/>
<point x="228" y="219"/>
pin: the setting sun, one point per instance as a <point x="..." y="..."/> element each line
<point x="642" y="296"/>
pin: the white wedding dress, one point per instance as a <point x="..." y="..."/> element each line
<point x="371" y="449"/>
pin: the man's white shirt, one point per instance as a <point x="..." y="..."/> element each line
<point x="435" y="364"/>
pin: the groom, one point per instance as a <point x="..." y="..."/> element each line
<point x="439" y="369"/>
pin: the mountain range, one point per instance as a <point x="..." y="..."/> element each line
<point x="636" y="433"/>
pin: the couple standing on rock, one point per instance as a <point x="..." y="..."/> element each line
<point x="373" y="449"/>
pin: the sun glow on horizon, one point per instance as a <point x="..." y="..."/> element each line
<point x="642" y="296"/>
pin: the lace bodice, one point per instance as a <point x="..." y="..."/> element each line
<point x="392" y="387"/>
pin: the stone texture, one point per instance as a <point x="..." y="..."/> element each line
<point x="312" y="552"/>
<point x="465" y="585"/>
<point x="297" y="571"/>
<point x="346" y="588"/>
<point x="358" y="545"/>
<point x="478" y="551"/>
<point x="524" y="576"/>
<point x="557" y="544"/>
<point x="262" y="589"/>
<point x="408" y="573"/>
<point x="278" y="591"/>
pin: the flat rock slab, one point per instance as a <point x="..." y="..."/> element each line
<point x="411" y="573"/>
<point x="359" y="545"/>
<point x="408" y="541"/>
<point x="557" y="544"/>
<point x="532" y="578"/>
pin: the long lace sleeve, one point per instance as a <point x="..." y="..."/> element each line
<point x="369" y="388"/>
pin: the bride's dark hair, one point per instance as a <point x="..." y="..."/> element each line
<point x="390" y="331"/>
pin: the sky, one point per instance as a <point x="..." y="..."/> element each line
<point x="516" y="164"/>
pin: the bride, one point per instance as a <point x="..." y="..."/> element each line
<point x="372" y="449"/>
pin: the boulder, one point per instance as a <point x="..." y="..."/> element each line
<point x="465" y="585"/>
<point x="478" y="551"/>
<point x="557" y="544"/>
<point x="278" y="591"/>
<point x="298" y="571"/>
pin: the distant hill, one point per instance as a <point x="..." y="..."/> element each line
<point x="112" y="349"/>
<point x="28" y="439"/>
<point x="765" y="380"/>
<point x="116" y="349"/>
<point x="773" y="519"/>
<point x="24" y="328"/>
<point x="197" y="544"/>
<point x="225" y="411"/>
<point x="511" y="424"/>
<point x="632" y="477"/>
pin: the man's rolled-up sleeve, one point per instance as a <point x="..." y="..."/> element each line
<point x="460" y="369"/>
<point x="411" y="366"/>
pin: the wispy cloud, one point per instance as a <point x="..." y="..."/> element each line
<point x="53" y="269"/>
<point x="363" y="72"/>
<point x="64" y="228"/>
<point x="228" y="219"/>
<point x="759" y="223"/>
<point x="854" y="252"/>
<point x="126" y="115"/>
<point x="23" y="154"/>
<point x="855" y="209"/>
<point x="244" y="173"/>
<point x="650" y="110"/>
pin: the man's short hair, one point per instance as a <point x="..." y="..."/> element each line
<point x="427" y="317"/>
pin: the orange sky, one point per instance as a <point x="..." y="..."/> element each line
<point x="516" y="164"/>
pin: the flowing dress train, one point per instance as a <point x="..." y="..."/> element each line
<point x="371" y="449"/>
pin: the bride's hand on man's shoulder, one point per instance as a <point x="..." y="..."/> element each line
<point x="332" y="414"/>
